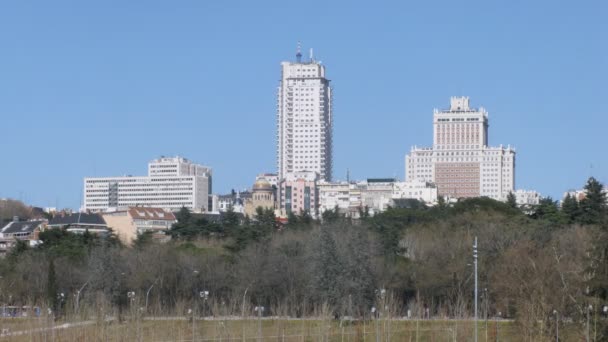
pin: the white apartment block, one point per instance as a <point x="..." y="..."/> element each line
<point x="342" y="195"/>
<point x="304" y="119"/>
<point x="172" y="183"/>
<point x="416" y="189"/>
<point x="527" y="197"/>
<point x="461" y="163"/>
<point x="375" y="194"/>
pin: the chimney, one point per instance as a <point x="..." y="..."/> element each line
<point x="15" y="218"/>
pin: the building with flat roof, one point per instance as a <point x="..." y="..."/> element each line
<point x="460" y="163"/>
<point x="304" y="119"/>
<point x="171" y="183"/>
<point x="299" y="194"/>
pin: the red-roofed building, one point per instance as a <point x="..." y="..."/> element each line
<point x="129" y="223"/>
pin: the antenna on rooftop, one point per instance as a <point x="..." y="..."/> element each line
<point x="299" y="53"/>
<point x="312" y="59"/>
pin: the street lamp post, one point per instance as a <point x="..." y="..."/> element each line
<point x="556" y="326"/>
<point x="485" y="299"/>
<point x="375" y="315"/>
<point x="589" y="308"/>
<point x="194" y="273"/>
<point x="496" y="321"/>
<point x="78" y="292"/>
<point x="475" y="262"/>
<point x="148" y="293"/>
<point x="259" y="310"/>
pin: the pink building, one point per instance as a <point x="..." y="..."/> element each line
<point x="299" y="193"/>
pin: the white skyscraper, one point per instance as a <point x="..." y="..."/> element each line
<point x="460" y="162"/>
<point x="304" y="118"/>
<point x="172" y="183"/>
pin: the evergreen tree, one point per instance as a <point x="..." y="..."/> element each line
<point x="328" y="269"/>
<point x="230" y="219"/>
<point x="441" y="203"/>
<point x="547" y="210"/>
<point x="593" y="206"/>
<point x="570" y="208"/>
<point x="51" y="287"/>
<point x="511" y="200"/>
<point x="183" y="215"/>
<point x="143" y="240"/>
<point x="330" y="216"/>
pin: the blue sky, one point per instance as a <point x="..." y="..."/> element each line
<point x="98" y="88"/>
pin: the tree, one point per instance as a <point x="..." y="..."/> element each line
<point x="143" y="240"/>
<point x="183" y="215"/>
<point x="593" y="206"/>
<point x="547" y="210"/>
<point x="230" y="220"/>
<point x="331" y="216"/>
<point x="328" y="270"/>
<point x="570" y="208"/>
<point x="511" y="200"/>
<point x="441" y="204"/>
<point x="51" y="287"/>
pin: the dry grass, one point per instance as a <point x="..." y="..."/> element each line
<point x="182" y="329"/>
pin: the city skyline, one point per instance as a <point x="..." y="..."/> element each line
<point x="99" y="100"/>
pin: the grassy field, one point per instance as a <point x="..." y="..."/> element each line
<point x="171" y="329"/>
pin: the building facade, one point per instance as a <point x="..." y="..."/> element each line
<point x="262" y="196"/>
<point x="16" y="230"/>
<point x="527" y="197"/>
<point x="133" y="221"/>
<point x="460" y="163"/>
<point x="304" y="119"/>
<point x="79" y="223"/>
<point x="172" y="183"/>
<point x="299" y="193"/>
<point x="375" y="194"/>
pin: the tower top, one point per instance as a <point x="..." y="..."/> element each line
<point x="459" y="104"/>
<point x="299" y="53"/>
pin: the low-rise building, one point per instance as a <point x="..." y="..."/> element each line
<point x="171" y="183"/>
<point x="79" y="223"/>
<point x="262" y="196"/>
<point x="416" y="189"/>
<point x="299" y="193"/>
<point x="235" y="200"/>
<point x="377" y="194"/>
<point x="129" y="223"/>
<point x="20" y="231"/>
<point x="527" y="197"/>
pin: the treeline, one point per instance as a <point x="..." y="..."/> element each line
<point x="534" y="265"/>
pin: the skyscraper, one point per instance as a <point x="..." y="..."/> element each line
<point x="304" y="118"/>
<point x="460" y="162"/>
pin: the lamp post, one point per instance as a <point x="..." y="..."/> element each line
<point x="194" y="273"/>
<point x="204" y="295"/>
<point x="475" y="263"/>
<point x="556" y="325"/>
<point x="259" y="310"/>
<point x="589" y="308"/>
<point x="148" y="293"/>
<point x="78" y="292"/>
<point x="496" y="321"/>
<point x="375" y="315"/>
<point x="485" y="299"/>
